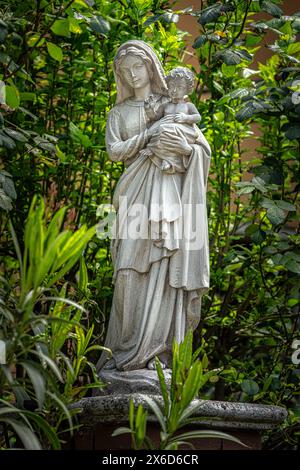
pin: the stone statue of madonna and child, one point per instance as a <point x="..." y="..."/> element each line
<point x="160" y="246"/>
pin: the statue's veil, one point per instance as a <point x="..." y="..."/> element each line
<point x="158" y="83"/>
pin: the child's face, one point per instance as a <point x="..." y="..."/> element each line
<point x="177" y="88"/>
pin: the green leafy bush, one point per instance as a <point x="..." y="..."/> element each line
<point x="40" y="377"/>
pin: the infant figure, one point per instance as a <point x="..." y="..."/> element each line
<point x="180" y="84"/>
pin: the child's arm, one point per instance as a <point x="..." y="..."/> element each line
<point x="192" y="117"/>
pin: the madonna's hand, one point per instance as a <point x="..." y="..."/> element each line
<point x="174" y="143"/>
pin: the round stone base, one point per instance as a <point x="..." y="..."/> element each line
<point x="101" y="415"/>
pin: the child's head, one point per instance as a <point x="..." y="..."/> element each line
<point x="180" y="82"/>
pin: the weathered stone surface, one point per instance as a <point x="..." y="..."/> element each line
<point x="217" y="414"/>
<point x="134" y="381"/>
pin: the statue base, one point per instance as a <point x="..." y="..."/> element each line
<point x="132" y="381"/>
<point x="101" y="415"/>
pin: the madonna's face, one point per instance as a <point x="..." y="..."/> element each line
<point x="134" y="71"/>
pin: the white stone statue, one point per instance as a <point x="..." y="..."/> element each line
<point x="160" y="250"/>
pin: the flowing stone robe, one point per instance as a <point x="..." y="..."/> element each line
<point x="158" y="286"/>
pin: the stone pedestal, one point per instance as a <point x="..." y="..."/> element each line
<point x="132" y="381"/>
<point x="101" y="415"/>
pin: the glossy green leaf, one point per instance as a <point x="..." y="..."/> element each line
<point x="292" y="131"/>
<point x="275" y="215"/>
<point x="12" y="96"/>
<point x="28" y="438"/>
<point x="199" y="41"/>
<point x="120" y="431"/>
<point x="83" y="275"/>
<point x="35" y="40"/>
<point x="38" y="381"/>
<point x="61" y="28"/>
<point x="55" y="51"/>
<point x="250" y="387"/>
<point x="210" y="14"/>
<point x="285" y="205"/>
<point x="157" y="412"/>
<point x="271" y="8"/>
<point x="18" y="136"/>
